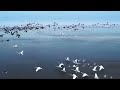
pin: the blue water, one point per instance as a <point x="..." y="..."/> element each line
<point x="47" y="50"/>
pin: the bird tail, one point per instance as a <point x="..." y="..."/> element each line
<point x="58" y="67"/>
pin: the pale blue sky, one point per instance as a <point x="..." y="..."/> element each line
<point x="59" y="16"/>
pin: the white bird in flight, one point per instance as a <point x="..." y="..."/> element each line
<point x="94" y="69"/>
<point x="63" y="70"/>
<point x="101" y="67"/>
<point x="21" y="52"/>
<point x="84" y="74"/>
<point x="74" y="66"/>
<point x="67" y="59"/>
<point x="74" y="76"/>
<point x="77" y="70"/>
<point x="76" y="61"/>
<point x="96" y="76"/>
<point x="38" y="68"/>
<point x="15" y="46"/>
<point x="60" y="65"/>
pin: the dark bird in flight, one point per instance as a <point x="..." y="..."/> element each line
<point x="1" y="35"/>
<point x="18" y="35"/>
<point x="7" y="40"/>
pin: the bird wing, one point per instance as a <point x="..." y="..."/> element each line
<point x="58" y="67"/>
<point x="37" y="69"/>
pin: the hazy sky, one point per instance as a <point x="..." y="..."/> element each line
<point x="59" y="16"/>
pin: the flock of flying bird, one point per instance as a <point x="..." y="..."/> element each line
<point x="77" y="64"/>
<point x="14" y="30"/>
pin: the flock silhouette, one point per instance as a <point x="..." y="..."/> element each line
<point x="14" y="30"/>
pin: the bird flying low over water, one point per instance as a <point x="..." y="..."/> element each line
<point x="77" y="70"/>
<point x="74" y="66"/>
<point x="20" y="52"/>
<point x="74" y="76"/>
<point x="63" y="70"/>
<point x="38" y="68"/>
<point x="76" y="61"/>
<point x="101" y="68"/>
<point x="60" y="65"/>
<point x="84" y="74"/>
<point x="15" y="46"/>
<point x="1" y="35"/>
<point x="94" y="69"/>
<point x="67" y="59"/>
<point x="7" y="40"/>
